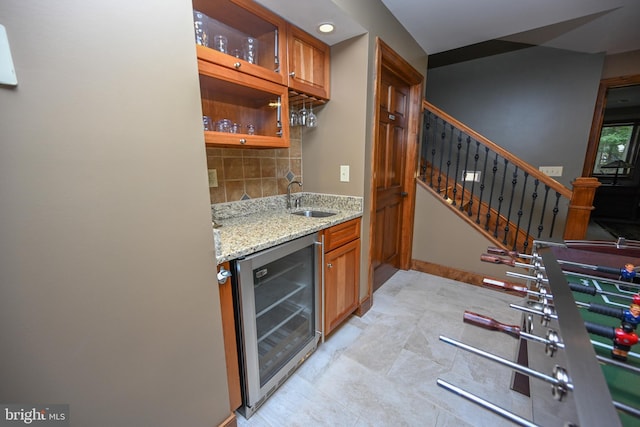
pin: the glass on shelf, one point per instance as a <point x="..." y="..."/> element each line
<point x="245" y="37"/>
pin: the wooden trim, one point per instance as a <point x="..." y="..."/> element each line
<point x="365" y="305"/>
<point x="230" y="421"/>
<point x="535" y="173"/>
<point x="230" y="341"/>
<point x="454" y="274"/>
<point x="598" y="117"/>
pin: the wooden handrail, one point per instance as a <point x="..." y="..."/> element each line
<point x="545" y="179"/>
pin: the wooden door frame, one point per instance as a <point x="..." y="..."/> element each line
<point x="598" y="117"/>
<point x="399" y="66"/>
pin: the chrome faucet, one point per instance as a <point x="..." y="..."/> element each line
<point x="289" y="192"/>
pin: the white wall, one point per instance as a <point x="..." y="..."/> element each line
<point x="108" y="298"/>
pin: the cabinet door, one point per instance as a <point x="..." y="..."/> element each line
<point x="309" y="64"/>
<point x="342" y="276"/>
<point x="256" y="106"/>
<point x="243" y="36"/>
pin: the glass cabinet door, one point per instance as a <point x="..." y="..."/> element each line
<point x="241" y="35"/>
<point x="245" y="113"/>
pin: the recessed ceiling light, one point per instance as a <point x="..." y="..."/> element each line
<point x="326" y="27"/>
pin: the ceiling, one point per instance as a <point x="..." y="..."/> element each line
<point x="589" y="26"/>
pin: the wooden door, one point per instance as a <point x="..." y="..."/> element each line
<point x="390" y="158"/>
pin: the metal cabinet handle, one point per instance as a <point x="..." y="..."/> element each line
<point x="237" y="65"/>
<point x="329" y="265"/>
<point x="243" y="141"/>
<point x="223" y="275"/>
<point x="292" y="74"/>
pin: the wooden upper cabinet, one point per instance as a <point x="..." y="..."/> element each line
<point x="309" y="63"/>
<point x="241" y="50"/>
<point x="252" y="107"/>
<point x="243" y="36"/>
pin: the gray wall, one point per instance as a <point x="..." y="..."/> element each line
<point x="108" y="297"/>
<point x="537" y="102"/>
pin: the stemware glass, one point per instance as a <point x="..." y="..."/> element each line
<point x="294" y="118"/>
<point x="312" y="120"/>
<point x="302" y="115"/>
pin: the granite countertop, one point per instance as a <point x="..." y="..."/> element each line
<point x="250" y="226"/>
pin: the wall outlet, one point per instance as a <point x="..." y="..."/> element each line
<point x="551" y="170"/>
<point x="344" y="173"/>
<point x="213" y="178"/>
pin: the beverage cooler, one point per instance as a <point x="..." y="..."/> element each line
<point x="277" y="297"/>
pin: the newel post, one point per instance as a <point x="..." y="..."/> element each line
<point x="580" y="207"/>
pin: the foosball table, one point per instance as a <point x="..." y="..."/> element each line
<point x="575" y="358"/>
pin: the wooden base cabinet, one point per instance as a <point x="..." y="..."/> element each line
<point x="341" y="273"/>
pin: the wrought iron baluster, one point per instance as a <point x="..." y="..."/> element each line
<point x="501" y="198"/>
<point x="446" y="186"/>
<point x="544" y="209"/>
<point x="520" y="212"/>
<point x="514" y="181"/>
<point x="455" y="175"/>
<point x="426" y="128"/>
<point x="493" y="184"/>
<point x="534" y="197"/>
<point x="464" y="181"/>
<point x="555" y="213"/>
<point x="433" y="152"/>
<point x="482" y="185"/>
<point x="443" y="135"/>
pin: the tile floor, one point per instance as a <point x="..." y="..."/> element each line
<point x="381" y="369"/>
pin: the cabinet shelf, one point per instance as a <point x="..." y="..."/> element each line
<point x="245" y="100"/>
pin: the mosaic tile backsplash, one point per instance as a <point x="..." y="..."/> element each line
<point x="246" y="173"/>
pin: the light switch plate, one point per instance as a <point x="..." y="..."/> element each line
<point x="551" y="170"/>
<point x="344" y="173"/>
<point x="7" y="71"/>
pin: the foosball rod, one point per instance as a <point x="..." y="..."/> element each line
<point x="486" y="404"/>
<point x="524" y="291"/>
<point x="599" y="268"/>
<point x="515" y="331"/>
<point x="512" y="263"/>
<point x="554" y="316"/>
<point x="515" y="366"/>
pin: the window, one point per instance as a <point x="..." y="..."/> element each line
<point x="617" y="150"/>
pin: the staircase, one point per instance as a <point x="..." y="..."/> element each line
<point x="509" y="201"/>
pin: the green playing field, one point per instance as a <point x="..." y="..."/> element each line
<point x="623" y="385"/>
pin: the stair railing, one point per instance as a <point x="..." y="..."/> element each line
<point x="508" y="200"/>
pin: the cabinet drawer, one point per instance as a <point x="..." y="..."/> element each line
<point x="340" y="234"/>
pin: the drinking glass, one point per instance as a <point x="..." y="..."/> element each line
<point x="207" y="123"/>
<point x="250" y="50"/>
<point x="220" y="43"/>
<point x="312" y="120"/>
<point x="294" y="118"/>
<point x="302" y="116"/>
<point x="200" y="28"/>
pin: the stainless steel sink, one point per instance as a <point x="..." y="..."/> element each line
<point x="313" y="213"/>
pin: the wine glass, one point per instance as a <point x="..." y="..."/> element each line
<point x="302" y="115"/>
<point x="294" y="118"/>
<point x="312" y="120"/>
